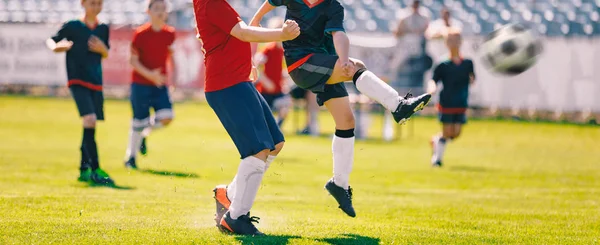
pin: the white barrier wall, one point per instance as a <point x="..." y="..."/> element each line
<point x="24" y="57"/>
<point x="566" y="77"/>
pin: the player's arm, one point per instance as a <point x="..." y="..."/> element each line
<point x="472" y="74"/>
<point x="399" y="31"/>
<point x="57" y="43"/>
<point x="153" y="75"/>
<point x="255" y="34"/>
<point x="265" y="8"/>
<point x="432" y="84"/>
<point x="99" y="44"/>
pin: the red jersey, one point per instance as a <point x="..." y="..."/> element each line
<point x="228" y="60"/>
<point x="273" y="68"/>
<point x="153" y="49"/>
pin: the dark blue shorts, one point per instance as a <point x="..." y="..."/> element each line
<point x="144" y="97"/>
<point x="88" y="101"/>
<point x="313" y="76"/>
<point x="246" y="117"/>
<point x="453" y="118"/>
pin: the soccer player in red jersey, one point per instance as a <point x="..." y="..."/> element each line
<point x="150" y="51"/>
<point x="241" y="109"/>
<point x="271" y="82"/>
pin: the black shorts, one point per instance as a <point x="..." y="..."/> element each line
<point x="88" y="101"/>
<point x="313" y="76"/>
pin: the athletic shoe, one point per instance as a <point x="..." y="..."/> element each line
<point x="243" y="225"/>
<point x="409" y="105"/>
<point x="143" y="147"/>
<point x="437" y="164"/>
<point x="222" y="201"/>
<point x="131" y="163"/>
<point x="342" y="196"/>
<point x="100" y="177"/>
<point x="85" y="175"/>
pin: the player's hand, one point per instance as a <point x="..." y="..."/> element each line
<point x="290" y="30"/>
<point x="63" y="46"/>
<point x="158" y="78"/>
<point x="96" y="45"/>
<point x="267" y="85"/>
<point x="348" y="68"/>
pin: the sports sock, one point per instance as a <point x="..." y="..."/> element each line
<point x="439" y="148"/>
<point x="249" y="177"/>
<point x="313" y="124"/>
<point x="343" y="156"/>
<point x="231" y="188"/>
<point x="135" y="141"/>
<point x="270" y="160"/>
<point x="84" y="158"/>
<point x="154" y="124"/>
<point x="90" y="147"/>
<point x="367" y="83"/>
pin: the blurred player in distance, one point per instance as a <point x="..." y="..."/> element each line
<point x="86" y="43"/>
<point x="243" y="112"/>
<point x="272" y="81"/>
<point x="318" y="61"/>
<point x="455" y="74"/>
<point x="151" y="49"/>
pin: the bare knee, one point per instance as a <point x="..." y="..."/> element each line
<point x="345" y="122"/>
<point x="89" y="121"/>
<point x="166" y="121"/>
<point x="358" y="64"/>
<point x="278" y="148"/>
<point x="262" y="155"/>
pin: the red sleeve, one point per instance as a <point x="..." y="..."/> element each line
<point x="222" y="15"/>
<point x="171" y="38"/>
<point x="135" y="48"/>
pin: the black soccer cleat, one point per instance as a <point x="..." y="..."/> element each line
<point x="243" y="225"/>
<point x="342" y="196"/>
<point x="131" y="163"/>
<point x="437" y="164"/>
<point x="409" y="105"/>
<point x="99" y="177"/>
<point x="143" y="147"/>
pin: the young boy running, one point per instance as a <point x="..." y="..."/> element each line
<point x="86" y="43"/>
<point x="456" y="75"/>
<point x="150" y="50"/>
<point x="241" y="109"/>
<point x="313" y="65"/>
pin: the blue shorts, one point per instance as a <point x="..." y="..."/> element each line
<point x="144" y="97"/>
<point x="453" y="118"/>
<point x="88" y="101"/>
<point x="246" y="117"/>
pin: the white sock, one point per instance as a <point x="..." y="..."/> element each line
<point x="135" y="141"/>
<point x="373" y="87"/>
<point x="270" y="159"/>
<point x="155" y="124"/>
<point x="231" y="188"/>
<point x="343" y="158"/>
<point x="439" y="146"/>
<point x="249" y="177"/>
<point x="388" y="127"/>
<point x="314" y="122"/>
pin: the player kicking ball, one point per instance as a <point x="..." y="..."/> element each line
<point x="150" y="50"/>
<point x="243" y="112"/>
<point x="316" y="67"/>
<point x="86" y="43"/>
<point x="456" y="75"/>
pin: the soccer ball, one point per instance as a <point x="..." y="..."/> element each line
<point x="510" y="49"/>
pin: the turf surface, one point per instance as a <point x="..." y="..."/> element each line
<point x="503" y="182"/>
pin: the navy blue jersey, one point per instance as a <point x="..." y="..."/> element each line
<point x="455" y="79"/>
<point x="84" y="67"/>
<point x="317" y="22"/>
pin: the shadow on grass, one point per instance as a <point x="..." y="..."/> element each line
<point x="468" y="169"/>
<point x="169" y="173"/>
<point x="268" y="239"/>
<point x="116" y="187"/>
<point x="284" y="239"/>
<point x="351" y="239"/>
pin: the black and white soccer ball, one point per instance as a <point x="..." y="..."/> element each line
<point x="510" y="49"/>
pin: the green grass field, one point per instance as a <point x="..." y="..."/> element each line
<point x="502" y="183"/>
